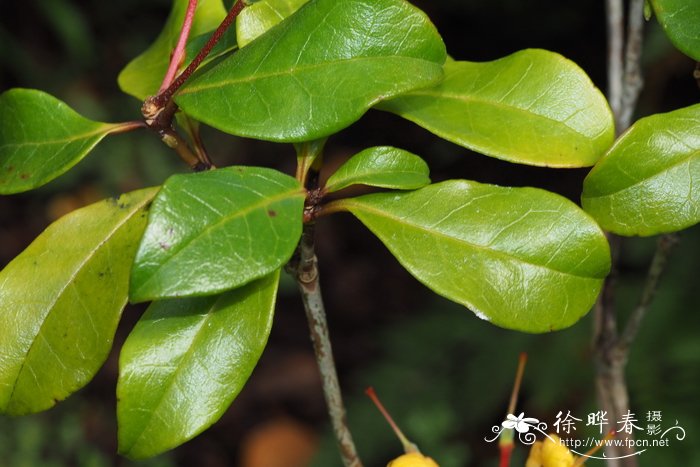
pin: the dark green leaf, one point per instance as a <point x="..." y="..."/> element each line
<point x="681" y="21"/>
<point x="213" y="231"/>
<point x="649" y="182"/>
<point x="522" y="258"/>
<point x="143" y="75"/>
<point x="318" y="71"/>
<point x="185" y="362"/>
<point x="61" y="299"/>
<point x="381" y="166"/>
<point x="532" y="107"/>
<point x="41" y="138"/>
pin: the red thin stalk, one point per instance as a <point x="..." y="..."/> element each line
<point x="506" y="453"/>
<point x="168" y="93"/>
<point x="178" y="54"/>
<point x="505" y="444"/>
<point x="522" y="360"/>
<point x="408" y="446"/>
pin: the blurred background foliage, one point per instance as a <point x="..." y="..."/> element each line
<point x="444" y="374"/>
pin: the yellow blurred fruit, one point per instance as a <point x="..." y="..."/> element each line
<point x="550" y="453"/>
<point x="413" y="459"/>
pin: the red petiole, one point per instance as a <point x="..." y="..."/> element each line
<point x="178" y="54"/>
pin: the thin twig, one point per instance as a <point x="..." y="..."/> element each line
<point x="304" y="267"/>
<point x="159" y="110"/>
<point x="664" y="248"/>
<point x="179" y="52"/>
<point x="310" y="288"/>
<point x="615" y="26"/>
<point x="633" y="81"/>
<point x="624" y="85"/>
<point x="163" y="97"/>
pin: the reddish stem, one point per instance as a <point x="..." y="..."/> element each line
<point x="407" y="445"/>
<point x="506" y="452"/>
<point x="178" y="54"/>
<point x="163" y="97"/>
<point x="522" y="360"/>
<point x="505" y="445"/>
<point x="125" y="127"/>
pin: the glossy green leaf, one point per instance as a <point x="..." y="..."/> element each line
<point x="185" y="362"/>
<point x="532" y="107"/>
<point x="522" y="258"/>
<point x="649" y="182"/>
<point x="381" y="166"/>
<point x="143" y="75"/>
<point x="681" y="22"/>
<point x="213" y="231"/>
<point x="318" y="71"/>
<point x="61" y="299"/>
<point x="41" y="138"/>
<point x="227" y="43"/>
<point x="257" y="18"/>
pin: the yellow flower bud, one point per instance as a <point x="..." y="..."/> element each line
<point x="413" y="459"/>
<point x="550" y="453"/>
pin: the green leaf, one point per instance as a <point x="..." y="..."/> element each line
<point x="41" y="138"/>
<point x="318" y="71"/>
<point x="382" y="166"/>
<point x="522" y="258"/>
<point x="681" y="22"/>
<point x="185" y="362"/>
<point x="532" y="107"/>
<point x="227" y="43"/>
<point x="257" y="18"/>
<point x="61" y="299"/>
<point x="649" y="181"/>
<point x="143" y="75"/>
<point x="213" y="231"/>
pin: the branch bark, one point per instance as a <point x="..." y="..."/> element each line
<point x="612" y="349"/>
<point x="309" y="285"/>
<point x="304" y="268"/>
<point x="624" y="85"/>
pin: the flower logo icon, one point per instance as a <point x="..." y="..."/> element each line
<point x="520" y="423"/>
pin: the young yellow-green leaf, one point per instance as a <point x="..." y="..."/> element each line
<point x="681" y="22"/>
<point x="61" y="299"/>
<point x="318" y="71"/>
<point x="649" y="181"/>
<point x="213" y="231"/>
<point x="381" y="166"/>
<point x="257" y="18"/>
<point x="532" y="107"/>
<point x="142" y="76"/>
<point x="41" y="138"/>
<point x="185" y="362"/>
<point x="522" y="258"/>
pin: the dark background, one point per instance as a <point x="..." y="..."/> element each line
<point x="445" y="375"/>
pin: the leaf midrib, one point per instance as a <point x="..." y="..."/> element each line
<point x="184" y="358"/>
<point x="693" y="154"/>
<point x="291" y="71"/>
<point x="264" y="202"/>
<point x="501" y="105"/>
<point x="352" y="180"/>
<point x="74" y="273"/>
<point x="101" y="131"/>
<point x="494" y="251"/>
